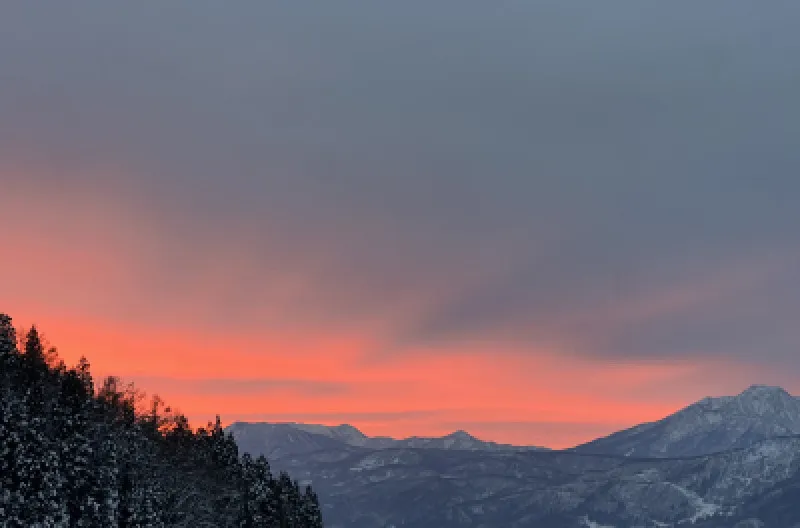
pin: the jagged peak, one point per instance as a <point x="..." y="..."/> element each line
<point x="759" y="390"/>
<point x="755" y="392"/>
<point x="762" y="400"/>
<point x="461" y="434"/>
<point x="346" y="427"/>
<point x="349" y="429"/>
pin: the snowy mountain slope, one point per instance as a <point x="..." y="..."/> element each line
<point x="708" y="426"/>
<point x="430" y="488"/>
<point x="719" y="463"/>
<point x="276" y="440"/>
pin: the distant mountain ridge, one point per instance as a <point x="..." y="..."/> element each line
<point x="724" y="462"/>
<point x="290" y="438"/>
<point x="436" y="488"/>
<point x="708" y="426"/>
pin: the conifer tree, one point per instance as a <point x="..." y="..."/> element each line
<point x="73" y="458"/>
<point x="10" y="421"/>
<point x="8" y="343"/>
<point x="13" y="423"/>
<point x="311" y="515"/>
<point x="34" y="357"/>
<point x="76" y="452"/>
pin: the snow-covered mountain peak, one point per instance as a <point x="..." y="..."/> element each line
<point x="348" y="432"/>
<point x="461" y="435"/>
<point x="756" y="388"/>
<point x="710" y="425"/>
<point x="764" y="392"/>
<point x="760" y="400"/>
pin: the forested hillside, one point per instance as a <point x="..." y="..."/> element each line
<point x="75" y="455"/>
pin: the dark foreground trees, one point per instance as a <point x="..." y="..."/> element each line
<point x="72" y="455"/>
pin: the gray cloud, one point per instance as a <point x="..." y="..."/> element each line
<point x="552" y="160"/>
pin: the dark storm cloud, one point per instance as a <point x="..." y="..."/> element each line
<point x="558" y="159"/>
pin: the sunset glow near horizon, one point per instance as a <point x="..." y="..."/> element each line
<point x="274" y="216"/>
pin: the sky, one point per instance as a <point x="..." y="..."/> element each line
<point x="537" y="221"/>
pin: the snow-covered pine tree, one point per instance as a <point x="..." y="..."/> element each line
<point x="73" y="458"/>
<point x="288" y="493"/>
<point x="13" y="423"/>
<point x="74" y="421"/>
<point x="224" y="450"/>
<point x="259" y="504"/>
<point x="104" y="489"/>
<point x="34" y="358"/>
<point x="267" y="501"/>
<point x="38" y="462"/>
<point x="311" y="515"/>
<point x="295" y="506"/>
<point x="10" y="418"/>
<point x="8" y="346"/>
<point x="247" y="499"/>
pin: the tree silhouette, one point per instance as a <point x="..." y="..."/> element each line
<point x="70" y="456"/>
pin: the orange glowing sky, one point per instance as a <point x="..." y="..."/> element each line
<point x="279" y="217"/>
<point x="97" y="282"/>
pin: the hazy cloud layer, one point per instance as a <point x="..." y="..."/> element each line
<point x="226" y="386"/>
<point x="612" y="181"/>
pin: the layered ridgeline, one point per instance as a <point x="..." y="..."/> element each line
<point x="71" y="455"/>
<point x="283" y="439"/>
<point x="720" y="463"/>
<point x="432" y="488"/>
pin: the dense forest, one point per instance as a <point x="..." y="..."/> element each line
<point x="75" y="455"/>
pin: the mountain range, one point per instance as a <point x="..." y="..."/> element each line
<point x="277" y="440"/>
<point x="731" y="461"/>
